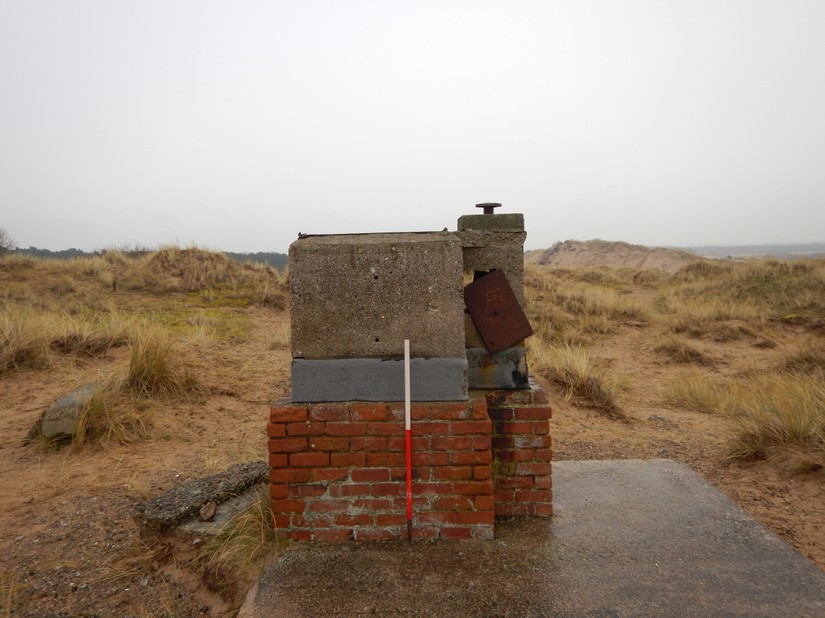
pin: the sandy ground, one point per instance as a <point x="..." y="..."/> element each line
<point x="67" y="536"/>
<point x="71" y="548"/>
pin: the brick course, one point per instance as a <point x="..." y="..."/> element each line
<point x="522" y="452"/>
<point x="337" y="469"/>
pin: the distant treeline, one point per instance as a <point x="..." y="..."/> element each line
<point x="277" y="260"/>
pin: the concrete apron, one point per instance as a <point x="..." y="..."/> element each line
<point x="628" y="538"/>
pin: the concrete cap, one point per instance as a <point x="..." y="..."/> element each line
<point x="510" y="222"/>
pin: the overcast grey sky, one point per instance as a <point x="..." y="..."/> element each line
<point x="237" y="125"/>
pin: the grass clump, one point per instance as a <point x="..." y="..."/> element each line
<point x="110" y="416"/>
<point x="90" y="335"/>
<point x="678" y="350"/>
<point x="235" y="555"/>
<point x="29" y="335"/>
<point x="120" y="410"/>
<point x="694" y="390"/>
<point x="24" y="339"/>
<point x="720" y="319"/>
<point x="808" y="359"/>
<point x="774" y="412"/>
<point x="571" y="368"/>
<point x="154" y="369"/>
<point x="245" y="538"/>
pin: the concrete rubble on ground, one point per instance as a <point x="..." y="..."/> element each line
<point x="59" y="420"/>
<point x="184" y="502"/>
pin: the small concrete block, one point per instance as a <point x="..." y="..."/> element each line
<point x="505" y="370"/>
<point x="361" y="295"/>
<point x="495" y="250"/>
<point x="509" y="222"/>
<point x="372" y="379"/>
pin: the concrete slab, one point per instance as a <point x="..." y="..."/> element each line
<point x="628" y="538"/>
<point x="653" y="538"/>
<point x="375" y="379"/>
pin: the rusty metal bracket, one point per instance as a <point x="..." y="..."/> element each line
<point x="496" y="312"/>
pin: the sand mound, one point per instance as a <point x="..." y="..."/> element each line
<point x="589" y="253"/>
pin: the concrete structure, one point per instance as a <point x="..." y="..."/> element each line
<point x="494" y="242"/>
<point x="337" y="441"/>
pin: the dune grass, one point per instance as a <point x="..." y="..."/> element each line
<point x="809" y="358"/>
<point x="572" y="368"/>
<point x="29" y="335"/>
<point x="244" y="539"/>
<point x="111" y="415"/>
<point x="778" y="411"/>
<point x="721" y="302"/>
<point x="156" y="368"/>
<point x="694" y="390"/>
<point x="753" y="292"/>
<point x="573" y="307"/>
<point x="24" y="338"/>
<point x="121" y="409"/>
<point x="38" y="325"/>
<point x="74" y="306"/>
<point x="680" y="351"/>
<point x="238" y="551"/>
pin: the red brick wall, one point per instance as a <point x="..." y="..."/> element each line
<point x="522" y="452"/>
<point x="337" y="469"/>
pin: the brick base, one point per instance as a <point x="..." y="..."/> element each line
<point x="522" y="452"/>
<point x="337" y="469"/>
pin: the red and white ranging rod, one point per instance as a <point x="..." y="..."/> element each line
<point x="407" y="437"/>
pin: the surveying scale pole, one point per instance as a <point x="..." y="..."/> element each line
<point x="407" y="437"/>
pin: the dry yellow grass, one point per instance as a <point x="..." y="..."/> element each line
<point x="680" y="351"/>
<point x="157" y="368"/>
<point x="24" y="338"/>
<point x="778" y="411"/>
<point x="572" y="369"/>
<point x="245" y="539"/>
<point x="694" y="390"/>
<point x="723" y="302"/>
<point x="112" y="415"/>
<point x="755" y="290"/>
<point x="180" y="341"/>
<point x="809" y="358"/>
<point x="574" y="307"/>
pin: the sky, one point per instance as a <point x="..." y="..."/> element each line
<point x="238" y="125"/>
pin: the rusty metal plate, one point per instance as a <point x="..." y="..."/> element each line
<point x="495" y="311"/>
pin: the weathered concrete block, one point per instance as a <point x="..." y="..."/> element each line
<point x="360" y="296"/>
<point x="489" y="250"/>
